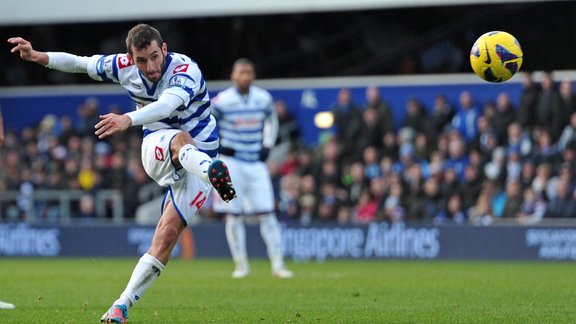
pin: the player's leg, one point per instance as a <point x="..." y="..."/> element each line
<point x="234" y="221"/>
<point x="150" y="265"/>
<point x="261" y="201"/>
<point x="185" y="154"/>
<point x="236" y="237"/>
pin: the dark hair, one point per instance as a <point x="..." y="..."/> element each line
<point x="141" y="36"/>
<point x="243" y="61"/>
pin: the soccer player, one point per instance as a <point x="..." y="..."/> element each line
<point x="248" y="128"/>
<point x="180" y="137"/>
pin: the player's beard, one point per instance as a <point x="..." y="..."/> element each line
<point x="157" y="74"/>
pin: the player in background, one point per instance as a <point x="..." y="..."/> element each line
<point x="248" y="128"/>
<point x="180" y="137"/>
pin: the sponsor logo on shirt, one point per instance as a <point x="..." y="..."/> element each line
<point x="180" y="68"/>
<point x="124" y="61"/>
<point x="159" y="153"/>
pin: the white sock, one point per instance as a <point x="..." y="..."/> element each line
<point x="194" y="161"/>
<point x="144" y="274"/>
<point x="272" y="236"/>
<point x="236" y="236"/>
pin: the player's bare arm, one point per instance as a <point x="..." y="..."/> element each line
<point x="27" y="53"/>
<point x="111" y="124"/>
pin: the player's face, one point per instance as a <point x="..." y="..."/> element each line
<point x="150" y="60"/>
<point x="242" y="76"/>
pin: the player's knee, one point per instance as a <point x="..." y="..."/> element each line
<point x="181" y="139"/>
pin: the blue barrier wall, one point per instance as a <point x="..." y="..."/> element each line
<point x="317" y="243"/>
<point x="28" y="107"/>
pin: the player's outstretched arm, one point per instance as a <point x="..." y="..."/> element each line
<point x="27" y="53"/>
<point x="60" y="61"/>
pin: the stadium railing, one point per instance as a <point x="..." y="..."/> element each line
<point x="35" y="206"/>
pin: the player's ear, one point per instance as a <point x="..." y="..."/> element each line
<point x="164" y="49"/>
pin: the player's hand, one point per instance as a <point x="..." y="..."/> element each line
<point x="23" y="46"/>
<point x="111" y="124"/>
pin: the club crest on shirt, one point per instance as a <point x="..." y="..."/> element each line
<point x="181" y="81"/>
<point x="160" y="86"/>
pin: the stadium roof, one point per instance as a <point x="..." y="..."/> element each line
<point x="31" y="12"/>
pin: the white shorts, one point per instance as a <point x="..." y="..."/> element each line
<point x="187" y="192"/>
<point x="253" y="188"/>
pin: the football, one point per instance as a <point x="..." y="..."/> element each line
<point x="496" y="56"/>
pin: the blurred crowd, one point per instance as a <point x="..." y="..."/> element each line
<point x="445" y="164"/>
<point x="60" y="154"/>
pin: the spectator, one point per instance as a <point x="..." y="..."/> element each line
<point x="528" y="101"/>
<point x="393" y="204"/>
<point x="549" y="110"/>
<point x="563" y="205"/>
<point x="432" y="202"/>
<point x="568" y="98"/>
<point x="568" y="136"/>
<point x="532" y="209"/>
<point x="348" y="121"/>
<point x="389" y="146"/>
<point x="513" y="164"/>
<point x="372" y="131"/>
<point x="464" y="120"/>
<point x="517" y="139"/>
<point x="330" y="202"/>
<point x="440" y="117"/>
<point x="450" y="183"/>
<point x="383" y="111"/>
<point x="367" y="207"/>
<point x="422" y="147"/>
<point x="527" y="173"/>
<point x="359" y="183"/>
<point x="546" y="151"/>
<point x="505" y="114"/>
<point x="289" y="130"/>
<point x="415" y="115"/>
<point x="88" y="112"/>
<point x="371" y="163"/>
<point x="288" y="200"/>
<point x="457" y="158"/>
<point x="513" y="198"/>
<point x="481" y="212"/>
<point x="486" y="138"/>
<point x="1" y="129"/>
<point x="541" y="179"/>
<point x="454" y="211"/>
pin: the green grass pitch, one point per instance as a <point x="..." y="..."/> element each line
<point x="335" y="291"/>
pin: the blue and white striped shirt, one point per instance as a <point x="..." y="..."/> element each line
<point x="247" y="123"/>
<point x="181" y="77"/>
